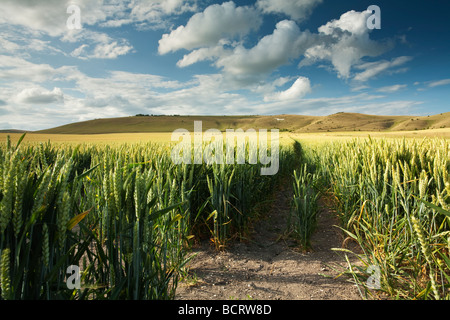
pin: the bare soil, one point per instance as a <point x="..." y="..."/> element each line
<point x="270" y="265"/>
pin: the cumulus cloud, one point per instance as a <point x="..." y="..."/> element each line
<point x="299" y="89"/>
<point x="352" y="21"/>
<point x="37" y="95"/>
<point x="272" y="51"/>
<point x="297" y="10"/>
<point x="344" y="42"/>
<point x="207" y="28"/>
<point x="287" y="42"/>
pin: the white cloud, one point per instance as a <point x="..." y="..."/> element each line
<point x="37" y="95"/>
<point x="85" y="97"/>
<point x="207" y="28"/>
<point x="205" y="94"/>
<point x="209" y="53"/>
<point x="110" y="50"/>
<point x="297" y="10"/>
<point x="243" y="66"/>
<point x="50" y="16"/>
<point x="123" y="78"/>
<point x="122" y="93"/>
<point x="8" y="46"/>
<point x="344" y="42"/>
<point x="299" y="89"/>
<point x="45" y="16"/>
<point x="359" y="88"/>
<point x="35" y="20"/>
<point x="352" y="21"/>
<point x="19" y="41"/>
<point x="19" y="69"/>
<point x="267" y="87"/>
<point x="372" y="69"/>
<point x="154" y="14"/>
<point x="80" y="52"/>
<point x="272" y="51"/>
<point x="431" y="84"/>
<point x="391" y="89"/>
<point x="98" y="45"/>
<point x="437" y="83"/>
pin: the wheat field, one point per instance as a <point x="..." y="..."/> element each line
<point x="126" y="215"/>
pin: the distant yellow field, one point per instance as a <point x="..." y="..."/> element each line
<point x="157" y="137"/>
<point x="315" y="138"/>
<point x="90" y="138"/>
<point x="161" y="137"/>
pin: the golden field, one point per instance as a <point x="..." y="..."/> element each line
<point x="285" y="137"/>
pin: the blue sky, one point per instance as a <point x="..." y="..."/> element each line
<point x="195" y="57"/>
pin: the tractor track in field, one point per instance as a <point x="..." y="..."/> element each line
<point x="269" y="265"/>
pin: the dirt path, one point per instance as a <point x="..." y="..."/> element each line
<point x="270" y="266"/>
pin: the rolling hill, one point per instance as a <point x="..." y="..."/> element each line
<point x="13" y="131"/>
<point x="293" y="123"/>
